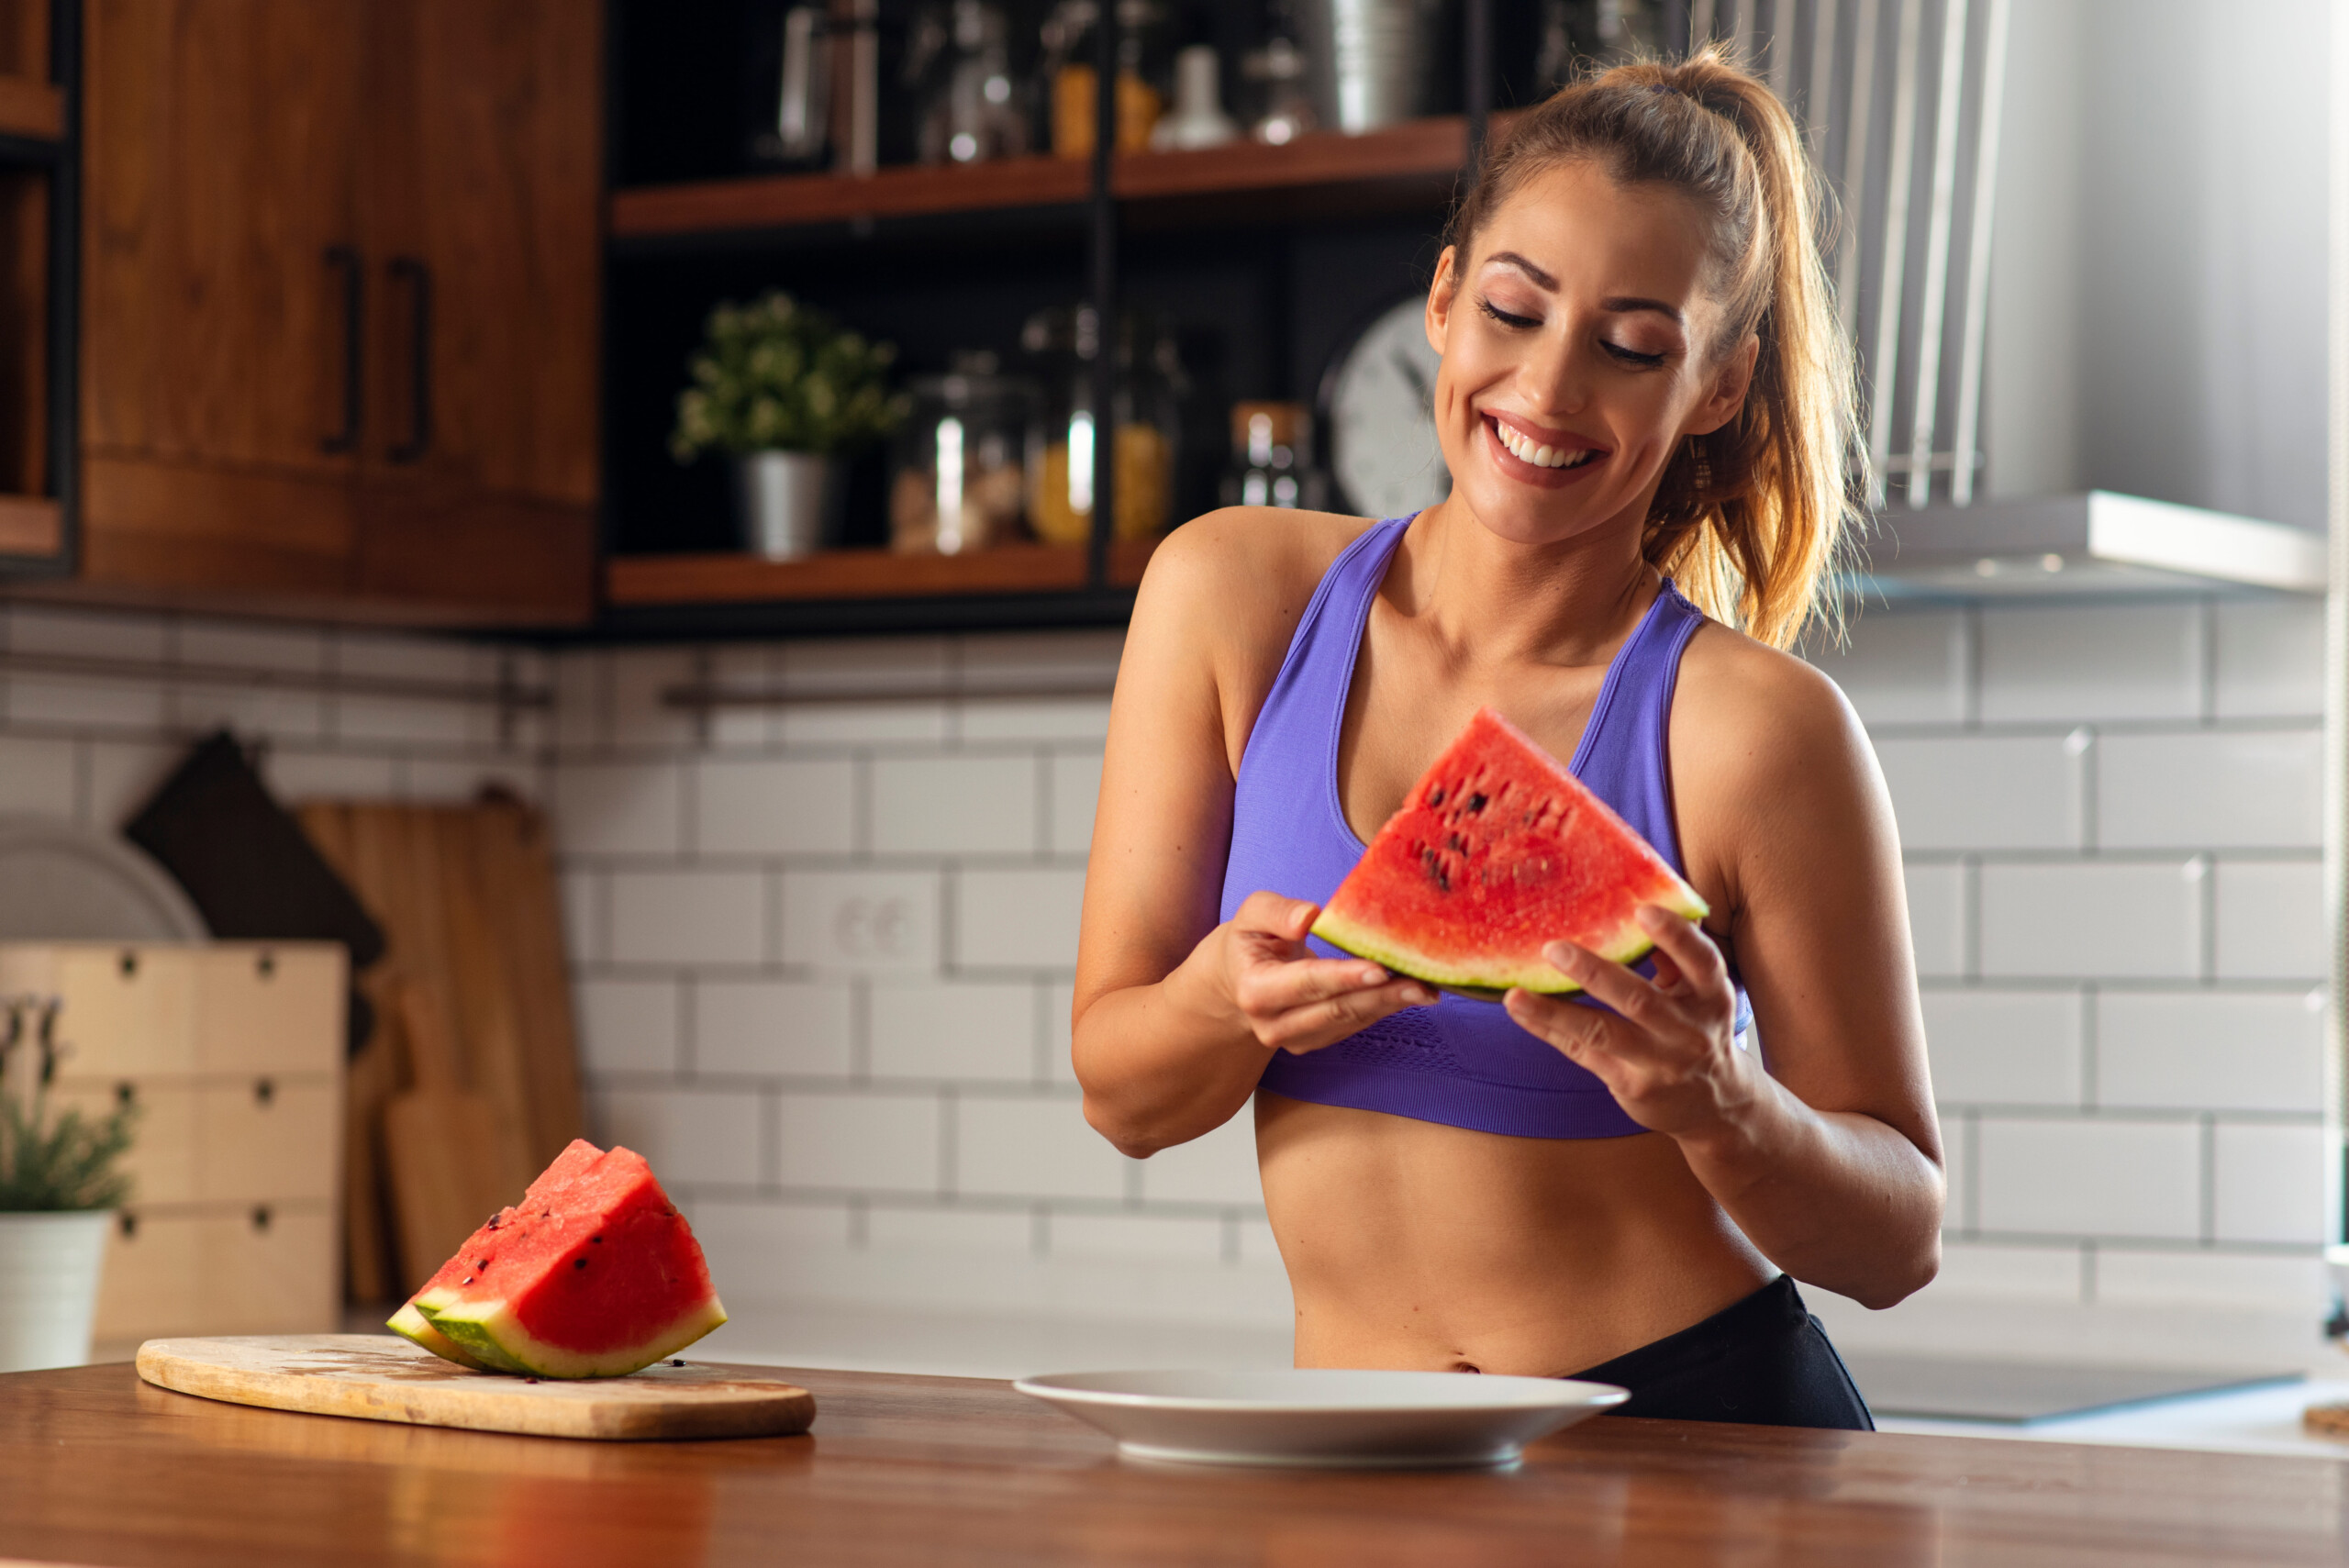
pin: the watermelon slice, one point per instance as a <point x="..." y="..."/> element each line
<point x="594" y="1274"/>
<point x="1497" y="852"/>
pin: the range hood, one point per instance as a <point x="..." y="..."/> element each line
<point x="2094" y="544"/>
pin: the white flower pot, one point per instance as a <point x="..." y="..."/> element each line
<point x="48" y="1287"/>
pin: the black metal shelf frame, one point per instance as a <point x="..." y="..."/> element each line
<point x="61" y="160"/>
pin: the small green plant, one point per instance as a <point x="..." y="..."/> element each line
<point x="777" y="375"/>
<point x="48" y="1163"/>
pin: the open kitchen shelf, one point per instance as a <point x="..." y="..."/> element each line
<point x="721" y="577"/>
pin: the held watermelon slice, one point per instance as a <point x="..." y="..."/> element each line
<point x="594" y="1274"/>
<point x="1497" y="852"/>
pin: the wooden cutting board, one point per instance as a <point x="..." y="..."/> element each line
<point x="379" y="1378"/>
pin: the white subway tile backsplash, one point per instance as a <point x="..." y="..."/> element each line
<point x="2210" y="1051"/>
<point x="745" y="667"/>
<point x="2010" y="1273"/>
<point x="2079" y="662"/>
<point x="583" y="701"/>
<point x="2271" y="921"/>
<point x="2094" y="921"/>
<point x="1936" y="895"/>
<point x="241" y="646"/>
<point x="401" y="721"/>
<point x="1220" y="1167"/>
<point x="687" y="1135"/>
<point x="2016" y="1048"/>
<point x="759" y="1247"/>
<point x="1033" y="1149"/>
<point x="2270" y="1184"/>
<point x="689" y="916"/>
<point x="772" y="807"/>
<point x="37" y="776"/>
<point x="1076" y="787"/>
<point x="87" y="634"/>
<point x="252" y="712"/>
<point x="879" y="1143"/>
<point x="955" y="804"/>
<point x="2150" y="1278"/>
<point x="1981" y="793"/>
<point x="124" y="773"/>
<point x="994" y="660"/>
<point x="874" y="665"/>
<point x="2270" y="657"/>
<point x="772" y="1028"/>
<point x="1173" y="1236"/>
<point x="1059" y="1002"/>
<point x="1025" y="919"/>
<point x="1038" y="719"/>
<point x="63" y="702"/>
<point x="628" y="1025"/>
<point x="1001" y="1233"/>
<point x="403" y="658"/>
<point x="864" y="921"/>
<point x="879" y="723"/>
<point x="618" y="808"/>
<point x="298" y="775"/>
<point x="2091" y="1177"/>
<point x="456" y="782"/>
<point x="969" y="1029"/>
<point x="2216" y="790"/>
<point x="1257" y="1243"/>
<point x="1902" y="667"/>
<point x="582" y="896"/>
<point x="639" y="715"/>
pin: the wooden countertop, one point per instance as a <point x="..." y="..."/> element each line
<point x="100" y="1470"/>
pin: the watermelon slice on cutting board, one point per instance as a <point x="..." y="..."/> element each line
<point x="1496" y="852"/>
<point x="594" y="1274"/>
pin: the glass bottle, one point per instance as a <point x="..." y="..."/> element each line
<point x="1063" y="342"/>
<point x="1069" y="73"/>
<point x="1271" y="458"/>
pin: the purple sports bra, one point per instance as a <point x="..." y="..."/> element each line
<point x="1462" y="1063"/>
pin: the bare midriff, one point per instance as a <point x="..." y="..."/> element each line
<point x="1413" y="1244"/>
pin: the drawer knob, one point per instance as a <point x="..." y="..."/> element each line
<point x="261" y="1217"/>
<point x="265" y="966"/>
<point x="127" y="1223"/>
<point x="129" y="963"/>
<point x="264" y="1091"/>
<point x="126" y="1093"/>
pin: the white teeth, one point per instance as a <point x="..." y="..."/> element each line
<point x="1529" y="451"/>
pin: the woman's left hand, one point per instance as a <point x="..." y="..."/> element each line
<point x="1668" y="1053"/>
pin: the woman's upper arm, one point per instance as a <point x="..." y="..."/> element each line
<point x="1792" y="821"/>
<point x="1162" y="826"/>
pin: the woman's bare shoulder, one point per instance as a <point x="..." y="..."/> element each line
<point x="1757" y="715"/>
<point x="1240" y="576"/>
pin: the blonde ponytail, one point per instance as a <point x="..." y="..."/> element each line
<point x="1749" y="519"/>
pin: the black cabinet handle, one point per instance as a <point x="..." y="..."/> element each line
<point x="419" y="430"/>
<point x="354" y="287"/>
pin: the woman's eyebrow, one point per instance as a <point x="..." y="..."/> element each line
<point x="1619" y="304"/>
<point x="1511" y="259"/>
<point x="1624" y="304"/>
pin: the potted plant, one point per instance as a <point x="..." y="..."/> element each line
<point x="58" y="1186"/>
<point x="786" y="391"/>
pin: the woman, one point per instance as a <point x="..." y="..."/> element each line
<point x="1645" y="407"/>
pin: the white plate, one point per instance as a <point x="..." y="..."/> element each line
<point x="61" y="883"/>
<point x="1310" y="1416"/>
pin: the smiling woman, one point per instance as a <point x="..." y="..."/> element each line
<point x="1646" y="411"/>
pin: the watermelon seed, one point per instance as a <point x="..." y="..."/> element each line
<point x="678" y="1362"/>
<point x="598" y="1240"/>
<point x="1477" y="803"/>
<point x="1435" y="796"/>
<point x="579" y="1263"/>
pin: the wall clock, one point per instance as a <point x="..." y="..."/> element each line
<point x="1378" y="404"/>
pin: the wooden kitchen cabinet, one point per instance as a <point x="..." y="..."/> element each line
<point x="340" y="288"/>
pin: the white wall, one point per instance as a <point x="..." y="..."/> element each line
<point x="2158" y="307"/>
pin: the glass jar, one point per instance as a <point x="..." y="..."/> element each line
<point x="1063" y="343"/>
<point x="1272" y="457"/>
<point x="1143" y="73"/>
<point x="960" y="460"/>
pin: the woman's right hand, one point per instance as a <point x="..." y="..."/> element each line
<point x="1259" y="967"/>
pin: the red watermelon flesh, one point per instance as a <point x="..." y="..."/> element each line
<point x="594" y="1274"/>
<point x="1496" y="852"/>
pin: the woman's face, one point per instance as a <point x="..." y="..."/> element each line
<point x="1580" y="346"/>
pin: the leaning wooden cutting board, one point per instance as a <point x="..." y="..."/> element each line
<point x="379" y="1378"/>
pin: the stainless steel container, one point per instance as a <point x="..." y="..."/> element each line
<point x="788" y="504"/>
<point x="1368" y="60"/>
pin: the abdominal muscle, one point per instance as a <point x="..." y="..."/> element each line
<point x="1411" y="1244"/>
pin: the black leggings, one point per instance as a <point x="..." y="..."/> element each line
<point x="1764" y="1360"/>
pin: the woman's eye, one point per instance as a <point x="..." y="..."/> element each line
<point x="1633" y="357"/>
<point x="1503" y="317"/>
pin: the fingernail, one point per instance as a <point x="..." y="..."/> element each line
<point x="1562" y="955"/>
<point x="1652" y="917"/>
<point x="1419" y="996"/>
<point x="1373" y="975"/>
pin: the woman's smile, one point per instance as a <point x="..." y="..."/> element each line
<point x="1534" y="455"/>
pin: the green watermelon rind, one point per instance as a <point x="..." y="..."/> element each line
<point x="411" y="1325"/>
<point x="490" y="1332"/>
<point x="1627" y="944"/>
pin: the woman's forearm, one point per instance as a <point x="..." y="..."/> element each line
<point x="1837" y="1199"/>
<point x="1161" y="1066"/>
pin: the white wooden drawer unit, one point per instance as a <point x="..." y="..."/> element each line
<point x="233" y="1053"/>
